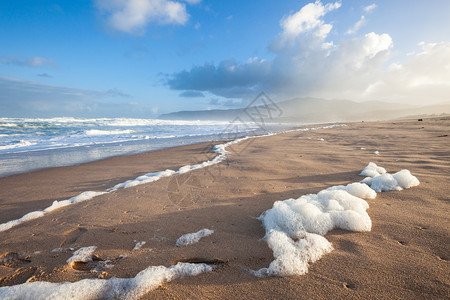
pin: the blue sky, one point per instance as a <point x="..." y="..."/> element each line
<point x="141" y="58"/>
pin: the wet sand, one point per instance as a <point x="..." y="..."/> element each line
<point x="404" y="256"/>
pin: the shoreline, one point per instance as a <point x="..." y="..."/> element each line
<point x="73" y="143"/>
<point x="89" y="153"/>
<point x="214" y="152"/>
<point x="228" y="197"/>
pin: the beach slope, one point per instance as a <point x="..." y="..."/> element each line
<point x="405" y="255"/>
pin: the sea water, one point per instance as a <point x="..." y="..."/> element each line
<point x="31" y="144"/>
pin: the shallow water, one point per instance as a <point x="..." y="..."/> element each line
<point x="32" y="144"/>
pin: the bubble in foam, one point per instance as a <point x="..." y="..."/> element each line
<point x="356" y="189"/>
<point x="372" y="170"/>
<point x="405" y="179"/>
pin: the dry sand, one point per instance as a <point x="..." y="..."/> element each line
<point x="404" y="256"/>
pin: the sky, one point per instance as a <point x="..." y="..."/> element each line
<point x="143" y="58"/>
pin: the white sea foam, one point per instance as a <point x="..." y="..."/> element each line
<point x="192" y="238"/>
<point x="382" y="181"/>
<point x="8" y="124"/>
<point x="372" y="170"/>
<point x="356" y="189"/>
<point x="59" y="133"/>
<point x="56" y="204"/>
<point x="120" y="122"/>
<point x="84" y="254"/>
<point x="57" y="250"/>
<point x="113" y="288"/>
<point x="292" y="257"/>
<point x="139" y="245"/>
<point x="405" y="179"/>
<point x="96" y="132"/>
<point x="149" y="177"/>
<point x="17" y="144"/>
<point x="295" y="227"/>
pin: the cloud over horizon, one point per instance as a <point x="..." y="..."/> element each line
<point x="32" y="62"/>
<point x="19" y="97"/>
<point x="192" y="94"/>
<point x="307" y="64"/>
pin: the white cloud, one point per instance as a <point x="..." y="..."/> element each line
<point x="354" y="29"/>
<point x="371" y="45"/>
<point x="132" y="16"/>
<point x="28" y="62"/>
<point x="370" y="7"/>
<point x="307" y="65"/>
<point x="423" y="78"/>
<point x="307" y="19"/>
<point x="319" y="71"/>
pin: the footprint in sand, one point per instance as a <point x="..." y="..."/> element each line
<point x="422" y="227"/>
<point x="72" y="235"/>
<point x="349" y="285"/>
<point x="21" y="275"/>
<point x="183" y="189"/>
<point x="13" y="259"/>
<point x="96" y="264"/>
<point x="85" y="260"/>
<point x="443" y="257"/>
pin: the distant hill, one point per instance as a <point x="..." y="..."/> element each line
<point x="312" y="110"/>
<point x="214" y="114"/>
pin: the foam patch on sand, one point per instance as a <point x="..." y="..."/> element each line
<point x="383" y="182"/>
<point x="84" y="254"/>
<point x="113" y="288"/>
<point x="372" y="170"/>
<point x="295" y="228"/>
<point x="148" y="178"/>
<point x="192" y="238"/>
<point x="56" y="204"/>
<point x="139" y="245"/>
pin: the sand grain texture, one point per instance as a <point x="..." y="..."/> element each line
<point x="404" y="256"/>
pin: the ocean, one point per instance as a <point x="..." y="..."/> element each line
<point x="31" y="144"/>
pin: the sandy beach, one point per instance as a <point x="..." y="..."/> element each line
<point x="404" y="256"/>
